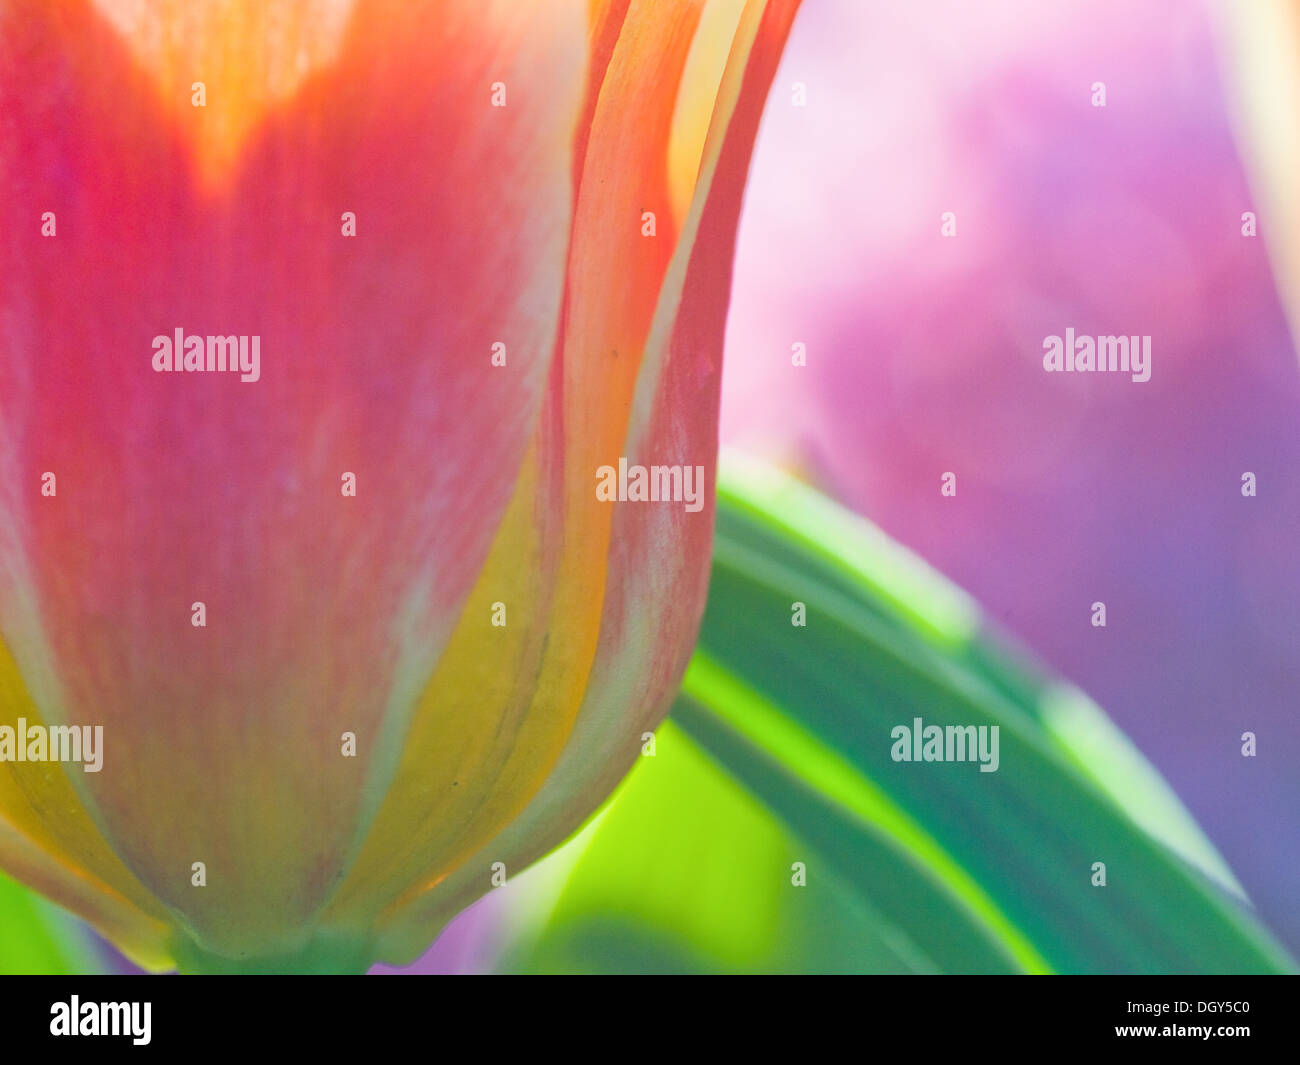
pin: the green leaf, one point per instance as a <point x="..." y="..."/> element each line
<point x="911" y="866"/>
<point x="686" y="871"/>
<point x="39" y="939"/>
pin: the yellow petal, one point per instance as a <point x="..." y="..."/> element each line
<point x="49" y="842"/>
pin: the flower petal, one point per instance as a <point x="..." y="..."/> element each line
<point x="184" y="42"/>
<point x="324" y="614"/>
<point x="48" y="841"/>
<point x="658" y="557"/>
<point x="473" y="759"/>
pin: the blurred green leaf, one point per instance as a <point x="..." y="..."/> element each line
<point x="778" y="752"/>
<point x="36" y="939"/>
<point x="687" y="872"/>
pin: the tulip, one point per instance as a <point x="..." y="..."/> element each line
<point x="361" y="638"/>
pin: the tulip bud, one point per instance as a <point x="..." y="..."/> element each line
<point x="322" y="319"/>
